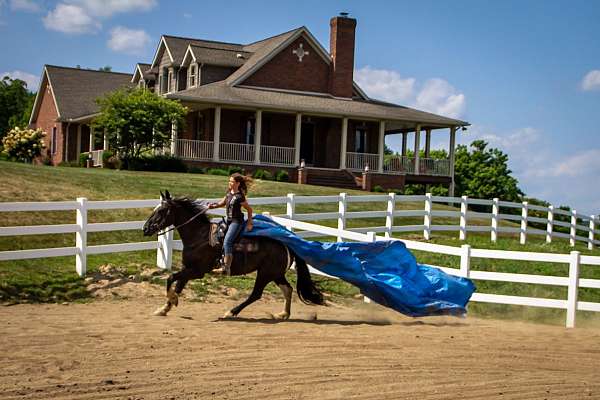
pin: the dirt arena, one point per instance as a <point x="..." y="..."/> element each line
<point x="116" y="350"/>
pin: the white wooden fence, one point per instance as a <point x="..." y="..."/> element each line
<point x="165" y="245"/>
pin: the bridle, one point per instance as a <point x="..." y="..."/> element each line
<point x="185" y="223"/>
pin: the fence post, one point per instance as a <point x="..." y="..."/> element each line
<point x="495" y="211"/>
<point x="164" y="251"/>
<point x="573" y="231"/>
<point x="550" y="226"/>
<point x="573" y="286"/>
<point x="464" y="202"/>
<point x="81" y="237"/>
<point x="523" y="236"/>
<point x="371" y="237"/>
<point x="342" y="214"/>
<point x="164" y="254"/>
<point x="591" y="233"/>
<point x="291" y="207"/>
<point x="389" y="218"/>
<point x="427" y="217"/>
<point x="465" y="260"/>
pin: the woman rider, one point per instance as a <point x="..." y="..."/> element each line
<point x="234" y="200"/>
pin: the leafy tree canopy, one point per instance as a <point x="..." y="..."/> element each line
<point x="137" y="120"/>
<point x="16" y="103"/>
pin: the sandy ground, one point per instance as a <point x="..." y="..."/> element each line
<point x="111" y="349"/>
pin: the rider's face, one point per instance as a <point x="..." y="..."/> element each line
<point x="233" y="184"/>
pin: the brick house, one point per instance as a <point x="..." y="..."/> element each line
<point x="280" y="103"/>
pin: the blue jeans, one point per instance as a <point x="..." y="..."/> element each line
<point x="232" y="233"/>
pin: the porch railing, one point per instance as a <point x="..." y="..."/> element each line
<point x="358" y="161"/>
<point x="97" y="157"/>
<point x="276" y="155"/>
<point x="427" y="166"/>
<point x="194" y="149"/>
<point x="236" y="152"/>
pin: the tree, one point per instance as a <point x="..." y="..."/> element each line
<point x="15" y="104"/>
<point x="484" y="173"/>
<point x="106" y="68"/>
<point x="137" y="120"/>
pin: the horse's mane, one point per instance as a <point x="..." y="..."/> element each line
<point x="196" y="206"/>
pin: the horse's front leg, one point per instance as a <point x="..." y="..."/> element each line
<point x="180" y="279"/>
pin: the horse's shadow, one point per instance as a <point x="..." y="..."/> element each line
<point x="304" y="321"/>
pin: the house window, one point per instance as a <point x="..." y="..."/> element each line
<point x="200" y="127"/>
<point x="53" y="143"/>
<point x="192" y="80"/>
<point x="164" y="81"/>
<point x="170" y="81"/>
<point x="141" y="84"/>
<point x="250" y="129"/>
<point x="360" y="140"/>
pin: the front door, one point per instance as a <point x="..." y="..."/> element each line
<point x="307" y="142"/>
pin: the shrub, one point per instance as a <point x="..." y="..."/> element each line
<point x="163" y="163"/>
<point x="262" y="174"/>
<point x="23" y="144"/>
<point x="282" y="176"/>
<point x="73" y="164"/>
<point x="234" y="168"/>
<point x="113" y="162"/>
<point x="83" y="157"/>
<point x="217" y="171"/>
<point x="197" y="170"/>
<point x="377" y="189"/>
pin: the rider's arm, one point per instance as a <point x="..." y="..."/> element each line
<point x="249" y="210"/>
<point x="219" y="203"/>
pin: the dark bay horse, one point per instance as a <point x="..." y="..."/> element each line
<point x="271" y="261"/>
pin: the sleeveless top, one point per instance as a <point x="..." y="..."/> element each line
<point x="233" y="206"/>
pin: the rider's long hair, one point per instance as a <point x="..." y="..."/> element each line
<point x="245" y="182"/>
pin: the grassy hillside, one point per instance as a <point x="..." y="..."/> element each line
<point x="55" y="279"/>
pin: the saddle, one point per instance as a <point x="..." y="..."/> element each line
<point x="218" y="229"/>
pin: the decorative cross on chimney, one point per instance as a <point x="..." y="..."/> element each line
<point x="300" y="52"/>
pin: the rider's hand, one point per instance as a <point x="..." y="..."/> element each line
<point x="249" y="226"/>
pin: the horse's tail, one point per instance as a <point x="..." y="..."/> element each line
<point x="308" y="292"/>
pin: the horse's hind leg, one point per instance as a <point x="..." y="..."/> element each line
<point x="257" y="291"/>
<point x="287" y="290"/>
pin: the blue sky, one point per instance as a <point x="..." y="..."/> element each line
<point x="526" y="75"/>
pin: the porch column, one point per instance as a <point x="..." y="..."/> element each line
<point x="451" y="155"/>
<point x="78" y="152"/>
<point x="297" y="133"/>
<point x="381" y="149"/>
<point x="217" y="133"/>
<point x="404" y="137"/>
<point x="91" y="146"/>
<point x="104" y="140"/>
<point x="427" y="142"/>
<point x="66" y="157"/>
<point x="257" y="136"/>
<point x="344" y="143"/>
<point x="417" y="148"/>
<point x="173" y="138"/>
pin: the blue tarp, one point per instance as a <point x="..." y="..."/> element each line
<point x="385" y="271"/>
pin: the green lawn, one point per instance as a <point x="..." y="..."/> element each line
<point x="54" y="279"/>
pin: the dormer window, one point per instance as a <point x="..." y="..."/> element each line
<point x="170" y="81"/>
<point x="193" y="73"/>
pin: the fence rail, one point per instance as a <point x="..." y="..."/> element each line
<point x="276" y="155"/>
<point x="236" y="152"/>
<point x="194" y="149"/>
<point x="292" y="220"/>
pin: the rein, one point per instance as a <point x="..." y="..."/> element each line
<point x="185" y="223"/>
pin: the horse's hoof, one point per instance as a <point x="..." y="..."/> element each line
<point x="228" y="314"/>
<point x="161" y="312"/>
<point x="281" y="316"/>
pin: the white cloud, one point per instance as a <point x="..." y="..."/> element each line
<point x="72" y="19"/>
<point x="384" y="84"/>
<point x="439" y="97"/>
<point x="33" y="81"/>
<point x="591" y="81"/>
<point x="583" y="163"/>
<point x="25" y="5"/>
<point x="85" y="16"/>
<point x="435" y="95"/>
<point x="129" y="41"/>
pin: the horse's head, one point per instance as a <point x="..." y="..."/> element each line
<point x="162" y="217"/>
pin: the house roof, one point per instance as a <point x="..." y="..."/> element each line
<point x="142" y="70"/>
<point x="212" y="56"/>
<point x="177" y="46"/>
<point x="76" y="90"/>
<point x="222" y="93"/>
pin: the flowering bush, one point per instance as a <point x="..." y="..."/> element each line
<point x="23" y="144"/>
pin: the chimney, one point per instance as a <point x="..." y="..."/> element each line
<point x="341" y="46"/>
